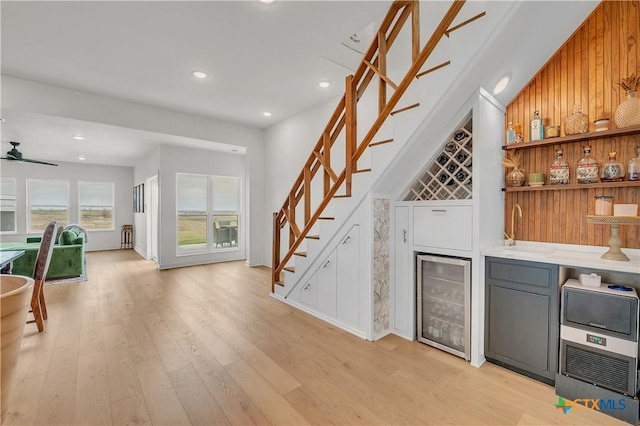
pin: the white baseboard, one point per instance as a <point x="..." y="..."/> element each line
<point x="324" y="318"/>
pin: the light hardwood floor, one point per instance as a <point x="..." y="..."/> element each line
<point x="207" y="345"/>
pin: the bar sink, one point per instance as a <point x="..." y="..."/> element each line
<point x="542" y="251"/>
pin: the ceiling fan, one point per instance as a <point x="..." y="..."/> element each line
<point x="14" y="155"/>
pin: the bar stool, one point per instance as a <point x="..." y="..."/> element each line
<point x="126" y="236"/>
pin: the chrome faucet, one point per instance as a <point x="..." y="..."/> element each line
<point x="512" y="238"/>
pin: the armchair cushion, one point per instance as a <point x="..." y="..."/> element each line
<point x="67" y="237"/>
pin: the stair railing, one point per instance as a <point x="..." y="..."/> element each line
<point x="344" y="118"/>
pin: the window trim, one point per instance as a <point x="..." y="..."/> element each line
<point x="113" y="206"/>
<point x="15" y="208"/>
<point x="210" y="213"/>
<point x="68" y="205"/>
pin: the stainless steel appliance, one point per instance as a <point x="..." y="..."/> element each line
<point x="599" y="327"/>
<point x="444" y="301"/>
<point x="599" y="348"/>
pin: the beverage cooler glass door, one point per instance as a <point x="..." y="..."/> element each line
<point x="444" y="301"/>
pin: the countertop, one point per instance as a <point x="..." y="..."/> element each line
<point x="565" y="255"/>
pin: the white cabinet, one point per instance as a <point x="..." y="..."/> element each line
<point x="443" y="226"/>
<point x="308" y="293"/>
<point x="403" y="287"/>
<point x="333" y="290"/>
<point x="347" y="278"/>
<point x="326" y="282"/>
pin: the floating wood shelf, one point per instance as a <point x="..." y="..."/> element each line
<point x="572" y="186"/>
<point x="576" y="138"/>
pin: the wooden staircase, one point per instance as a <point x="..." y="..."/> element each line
<point x="343" y="126"/>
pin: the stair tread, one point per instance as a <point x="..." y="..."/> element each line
<point x="417" y="104"/>
<point x="381" y="142"/>
<point x="362" y="171"/>
<point x="300" y="253"/>
<point x="313" y="237"/>
<point x="280" y="283"/>
<point x="290" y="269"/>
<point x="342" y="196"/>
<point x="326" y="218"/>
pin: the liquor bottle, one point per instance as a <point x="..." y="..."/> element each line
<point x="587" y="167"/>
<point x="559" y="170"/>
<point x="518" y="131"/>
<point x="511" y="134"/>
<point x="613" y="170"/>
<point x="536" y="130"/>
<point x="633" y="171"/>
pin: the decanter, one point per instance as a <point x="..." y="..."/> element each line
<point x="587" y="167"/>
<point x="613" y="170"/>
<point x="559" y="170"/>
<point x="633" y="171"/>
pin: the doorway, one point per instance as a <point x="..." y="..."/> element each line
<point x="153" y="219"/>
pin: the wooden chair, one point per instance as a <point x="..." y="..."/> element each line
<point x="38" y="305"/>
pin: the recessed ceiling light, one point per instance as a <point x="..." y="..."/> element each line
<point x="266" y="1"/>
<point x="200" y="74"/>
<point x="82" y="158"/>
<point x="2" y="120"/>
<point x="502" y="84"/>
<point x="266" y="114"/>
<point x="78" y="137"/>
<point x="324" y="84"/>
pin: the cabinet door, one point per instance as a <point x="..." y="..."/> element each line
<point x="521" y="316"/>
<point x="519" y="329"/>
<point x="326" y="286"/>
<point x="347" y="257"/>
<point x="448" y="227"/>
<point x="308" y="292"/>
<point x="402" y="275"/>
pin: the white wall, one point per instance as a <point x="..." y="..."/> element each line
<point x="184" y="160"/>
<point x="25" y="95"/>
<point x="287" y="147"/>
<point x="146" y="168"/>
<point x="122" y="177"/>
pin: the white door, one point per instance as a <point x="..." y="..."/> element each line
<point x="402" y="274"/>
<point x="308" y="292"/>
<point x="326" y="286"/>
<point x="152" y="218"/>
<point x="347" y="258"/>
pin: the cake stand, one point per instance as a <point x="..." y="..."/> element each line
<point x="614" y="252"/>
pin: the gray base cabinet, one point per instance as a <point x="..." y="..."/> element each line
<point x="522" y="316"/>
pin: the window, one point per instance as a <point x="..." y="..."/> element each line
<point x="47" y="200"/>
<point x="192" y="211"/>
<point x="95" y="202"/>
<point x="7" y="205"/>
<point x="208" y="211"/>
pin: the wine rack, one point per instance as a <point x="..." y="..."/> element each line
<point x="449" y="176"/>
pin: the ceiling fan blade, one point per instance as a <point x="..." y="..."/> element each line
<point x="26" y="160"/>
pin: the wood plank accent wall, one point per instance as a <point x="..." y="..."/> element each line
<point x="584" y="71"/>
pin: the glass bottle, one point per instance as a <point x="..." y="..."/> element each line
<point x="613" y="170"/>
<point x="511" y="134"/>
<point x="587" y="167"/>
<point x="536" y="130"/>
<point x="633" y="171"/>
<point x="518" y="132"/>
<point x="559" y="170"/>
